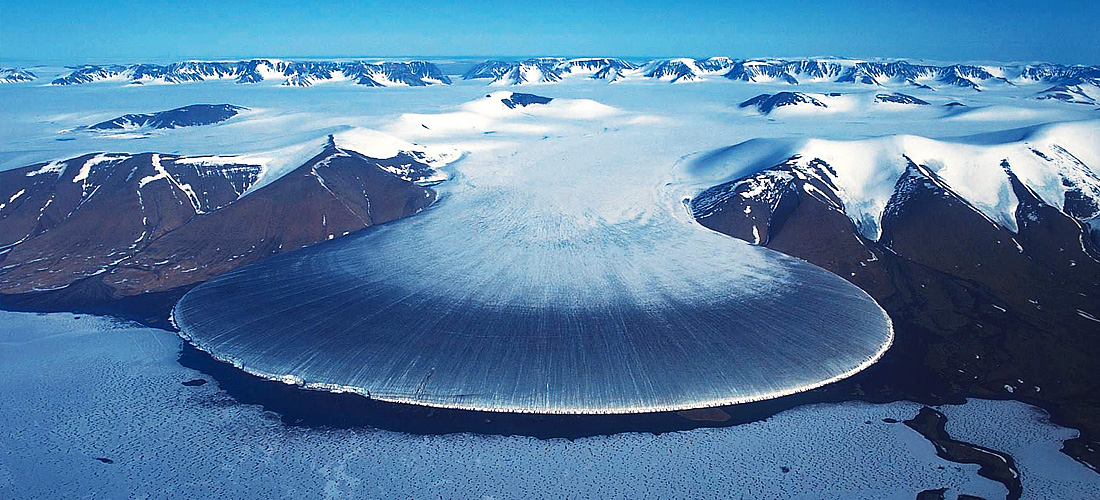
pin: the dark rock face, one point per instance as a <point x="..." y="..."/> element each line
<point x="766" y="103"/>
<point x="147" y="223"/>
<point x="900" y="98"/>
<point x="522" y="100"/>
<point x="297" y="73"/>
<point x="187" y="116"/>
<point x="1067" y="93"/>
<point x="84" y="216"/>
<point x="975" y="306"/>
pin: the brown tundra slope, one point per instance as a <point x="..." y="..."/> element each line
<point x="103" y="227"/>
<point x="978" y="309"/>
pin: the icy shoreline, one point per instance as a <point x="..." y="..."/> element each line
<point x="120" y="396"/>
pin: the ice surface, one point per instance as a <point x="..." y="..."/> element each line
<point x="556" y="276"/>
<point x="120" y="397"/>
<point x="1026" y="433"/>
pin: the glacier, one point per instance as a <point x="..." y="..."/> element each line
<point x="556" y="277"/>
<point x="595" y="164"/>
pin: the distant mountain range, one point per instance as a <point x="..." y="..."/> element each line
<point x="549" y="70"/>
<point x="292" y="73"/>
<point x="553" y="69"/>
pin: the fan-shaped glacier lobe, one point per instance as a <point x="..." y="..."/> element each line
<point x="472" y="305"/>
<point x="557" y="275"/>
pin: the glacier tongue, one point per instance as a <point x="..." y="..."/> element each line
<point x="556" y="275"/>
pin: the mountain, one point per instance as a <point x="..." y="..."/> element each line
<point x="673" y="70"/>
<point x="544" y="70"/>
<point x="13" y="75"/>
<point x="531" y="71"/>
<point x="899" y="98"/>
<point x="1072" y="94"/>
<point x="187" y="116"/>
<point x="292" y="73"/>
<point x="104" y="226"/>
<point x="684" y="69"/>
<point x="983" y="252"/>
<point x="547" y="70"/>
<point x="599" y="68"/>
<point x="1061" y="74"/>
<point x="877" y="73"/>
<point x="760" y="71"/>
<point x="517" y="99"/>
<point x="766" y="103"/>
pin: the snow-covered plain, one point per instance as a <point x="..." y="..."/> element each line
<point x="705" y="112"/>
<point x="76" y="390"/>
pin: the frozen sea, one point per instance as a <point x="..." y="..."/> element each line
<point x="79" y="389"/>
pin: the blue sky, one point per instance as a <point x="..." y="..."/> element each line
<point x="75" y="31"/>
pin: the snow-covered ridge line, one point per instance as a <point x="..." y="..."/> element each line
<point x="1059" y="163"/>
<point x="292" y="73"/>
<point x="549" y="70"/>
<point x="13" y="75"/>
<point x="554" y="69"/>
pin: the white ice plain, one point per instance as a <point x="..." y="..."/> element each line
<point x="75" y="390"/>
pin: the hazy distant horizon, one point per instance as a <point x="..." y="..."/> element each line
<point x="474" y="59"/>
<point x="81" y="31"/>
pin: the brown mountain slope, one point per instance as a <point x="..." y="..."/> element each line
<point x="977" y="308"/>
<point x="102" y="227"/>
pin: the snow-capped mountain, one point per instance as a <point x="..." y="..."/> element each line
<point x="879" y="73"/>
<point x="187" y="116"/>
<point x="600" y="68"/>
<point x="291" y="73"/>
<point x="863" y="177"/>
<point x="12" y="75"/>
<point x="766" y="103"/>
<point x="684" y="69"/>
<point x="899" y="98"/>
<point x="1073" y="94"/>
<point x="137" y="223"/>
<point x="517" y="99"/>
<point x="1060" y="74"/>
<point x="758" y="71"/>
<point x="983" y="251"/>
<point x="547" y="70"/>
<point x="979" y="249"/>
